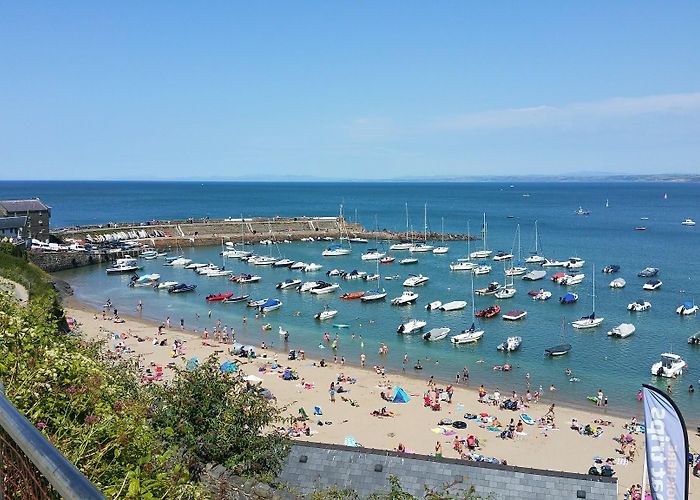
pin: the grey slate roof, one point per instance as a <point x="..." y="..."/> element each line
<point x="12" y="222"/>
<point x="34" y="205"/>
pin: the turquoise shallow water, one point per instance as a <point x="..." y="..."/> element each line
<point x="606" y="236"/>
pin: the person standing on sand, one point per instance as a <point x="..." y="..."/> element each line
<point x="465" y="375"/>
<point x="362" y="360"/>
<point x="599" y="399"/>
<point x="182" y="323"/>
<point x="167" y="322"/>
<point x="438" y="449"/>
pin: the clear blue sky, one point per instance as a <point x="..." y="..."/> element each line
<point x="359" y="89"/>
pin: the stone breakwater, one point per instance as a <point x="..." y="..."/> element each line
<point x="209" y="232"/>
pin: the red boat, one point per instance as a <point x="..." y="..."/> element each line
<point x="489" y="312"/>
<point x="351" y="296"/>
<point x="533" y="293"/>
<point x="557" y="276"/>
<point x="219" y="296"/>
<point x="387" y="260"/>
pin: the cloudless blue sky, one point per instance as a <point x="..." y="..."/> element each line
<point x="362" y="89"/>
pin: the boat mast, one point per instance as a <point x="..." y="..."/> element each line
<point x="407" y="221"/>
<point x="425" y="223"/>
<point x="469" y="242"/>
<point x="442" y="228"/>
<point x="593" y="288"/>
<point x="483" y="231"/>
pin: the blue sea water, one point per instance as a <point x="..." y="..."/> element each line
<point x="606" y="236"/>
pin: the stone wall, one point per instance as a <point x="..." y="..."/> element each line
<point x="59" y="261"/>
<point x="311" y="466"/>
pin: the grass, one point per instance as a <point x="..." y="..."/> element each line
<point x="20" y="270"/>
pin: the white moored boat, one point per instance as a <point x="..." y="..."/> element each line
<point x="481" y="269"/>
<point x="298" y="265"/>
<point x="324" y="288"/>
<point x="671" y="365"/>
<point x="309" y="268"/>
<point x="570" y="280"/>
<point x="411" y="326"/>
<point x="535" y="257"/>
<point x="574" y="263"/>
<point x="511" y="344"/>
<point x="416" y="280"/>
<point x="687" y="309"/>
<point x="336" y="251"/>
<point x="514" y="315"/>
<point x="307" y="286"/>
<point x="455" y="305"/>
<point x="125" y="265"/>
<point x="408" y="260"/>
<point x="553" y="263"/>
<point x="325" y="314"/>
<point x="433" y="305"/>
<point x="288" y="283"/>
<point x="639" y="305"/>
<point x="436" y="334"/>
<point x="468" y="336"/>
<point x="688" y="222"/>
<point x="462" y="265"/>
<point x="372" y="254"/>
<point x="283" y="263"/>
<point x="618" y="283"/>
<point x="485" y="253"/>
<point x="373" y="295"/>
<point x="652" y="285"/>
<point x="165" y="285"/>
<point x="590" y="321"/>
<point x="535" y="275"/>
<point x="407" y="297"/>
<point x="622" y="330"/>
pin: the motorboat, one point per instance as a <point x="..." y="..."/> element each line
<point x="371" y="277"/>
<point x="639" y="305"/>
<point x="688" y="222"/>
<point x="610" y="269"/>
<point x="514" y="315"/>
<point x="388" y="259"/>
<point x="145" y="280"/>
<point x="352" y="295"/>
<point x="687" y="309"/>
<point x="309" y="268"/>
<point x="535" y="275"/>
<point x="372" y="254"/>
<point x="569" y="298"/>
<point x="179" y="262"/>
<point x="622" y="330"/>
<point x="373" y="295"/>
<point x="582" y="211"/>
<point x="411" y="326"/>
<point x="181" y="288"/>
<point x="569" y="280"/>
<point x="217" y="273"/>
<point x="436" y="334"/>
<point x="236" y="298"/>
<point x="488" y="312"/>
<point x="324" y="287"/>
<point x="671" y="365"/>
<point x="516" y="270"/>
<point x="148" y="254"/>
<point x="416" y="280"/>
<point x="335" y="272"/>
<point x="574" y="263"/>
<point x="648" y="272"/>
<point x="171" y="258"/>
<point x="618" y="283"/>
<point x="468" y="336"/>
<point x="407" y="297"/>
<point x="358" y="240"/>
<point x="270" y="305"/>
<point x="510" y="344"/>
<point x="124" y="265"/>
<point x="652" y="285"/>
<point x="218" y="297"/>
<point x="421" y="247"/>
<point x="557" y="277"/>
<point x="505" y="292"/>
<point x="542" y="295"/>
<point x="325" y="314"/>
<point x="462" y="265"/>
<point x="392" y="278"/>
<point x="196" y="265"/>
<point x="433" y="305"/>
<point x="283" y="263"/>
<point x="553" y="263"/>
<point x="310" y="238"/>
<point x="558" y="350"/>
<point x="307" y="286"/>
<point x="203" y="270"/>
<point x="298" y="265"/>
<point x="500" y="256"/>
<point x="481" y="269"/>
<point x="288" y="283"/>
<point x="640" y="228"/>
<point x="441" y="250"/>
<point x="408" y="260"/>
<point x="263" y="260"/>
<point x="353" y="275"/>
<point x="492" y="288"/>
<point x="455" y="305"/>
<point x="534" y="259"/>
<point x="256" y="303"/>
<point x="336" y="250"/>
<point x="694" y="339"/>
<point x="164" y="285"/>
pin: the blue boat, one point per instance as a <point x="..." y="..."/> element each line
<point x="569" y="298"/>
<point x="270" y="305"/>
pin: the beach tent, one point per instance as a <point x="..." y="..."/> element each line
<point x="192" y="364"/>
<point x="228" y="367"/>
<point x="400" y="396"/>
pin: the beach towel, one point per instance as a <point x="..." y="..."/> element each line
<point x="350" y="441"/>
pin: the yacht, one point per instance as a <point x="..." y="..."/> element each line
<point x="611" y="269"/>
<point x="553" y="263"/>
<point x="372" y="254"/>
<point x="652" y="285"/>
<point x="590" y="321"/>
<point x="517" y="270"/>
<point x="536" y="275"/>
<point x="283" y="263"/>
<point x="687" y="309"/>
<point x="688" y="222"/>
<point x="535" y="257"/>
<point x="263" y="260"/>
<point x="298" y="265"/>
<point x="618" y="283"/>
<point x="433" y="305"/>
<point x="648" y="272"/>
<point x="270" y="305"/>
<point x="502" y="256"/>
<point x="407" y="297"/>
<point x="372" y="295"/>
<point x="569" y="280"/>
<point x="124" y="265"/>
<point x="288" y="283"/>
<point x="307" y="286"/>
<point x="485" y="253"/>
<point x="582" y="211"/>
<point x="309" y="268"/>
<point x="462" y="265"/>
<point x="455" y="305"/>
<point x="325" y="314"/>
<point x="423" y="246"/>
<point x="468" y="336"/>
<point x="481" y="269"/>
<point x="403" y="245"/>
<point x="492" y="288"/>
<point x="671" y="365"/>
<point x="542" y="295"/>
<point x="511" y="344"/>
<point x="574" y="263"/>
<point x="336" y="251"/>
<point x="436" y="334"/>
<point x="408" y="260"/>
<point x="416" y="280"/>
<point x="442" y="249"/>
<point x="324" y="288"/>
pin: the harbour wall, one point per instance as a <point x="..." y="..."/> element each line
<point x="60" y="261"/>
<point x="312" y="466"/>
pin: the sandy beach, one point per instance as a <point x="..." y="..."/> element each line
<point x="413" y="425"/>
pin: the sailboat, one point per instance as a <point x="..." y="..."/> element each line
<point x="336" y="250"/>
<point x="508" y="290"/>
<point x="405" y="244"/>
<point x="237" y="253"/>
<point x="517" y="268"/>
<point x="423" y="247"/>
<point x="464" y="264"/>
<point x="442" y="249"/>
<point x="561" y="349"/>
<point x="373" y="295"/>
<point x="535" y="257"/>
<point x="471" y="334"/>
<point x="589" y="321"/>
<point x="482" y="254"/>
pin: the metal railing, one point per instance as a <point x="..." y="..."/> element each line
<point x="31" y="467"/>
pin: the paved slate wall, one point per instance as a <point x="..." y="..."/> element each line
<point x="313" y="465"/>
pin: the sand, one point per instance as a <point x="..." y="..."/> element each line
<point x="413" y="425"/>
